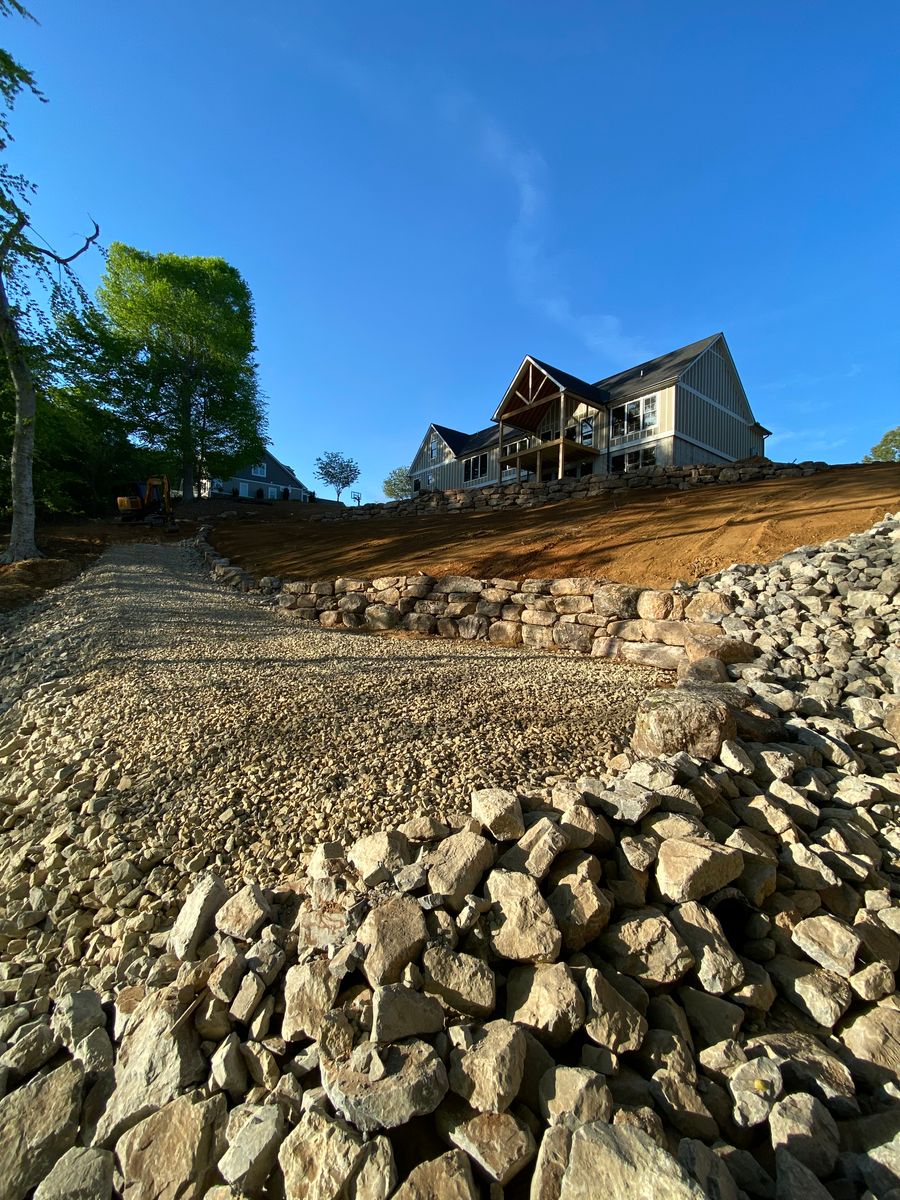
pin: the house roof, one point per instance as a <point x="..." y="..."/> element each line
<point x="655" y="372"/>
<point x="287" y="470"/>
<point x="454" y="438"/>
<point x="571" y="383"/>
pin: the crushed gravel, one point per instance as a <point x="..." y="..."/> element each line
<point x="228" y="727"/>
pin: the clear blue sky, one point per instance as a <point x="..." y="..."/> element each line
<point x="420" y="193"/>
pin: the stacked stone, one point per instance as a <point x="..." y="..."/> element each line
<point x="679" y="980"/>
<point x="531" y="494"/>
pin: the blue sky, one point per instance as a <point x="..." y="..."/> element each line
<point x="419" y="194"/>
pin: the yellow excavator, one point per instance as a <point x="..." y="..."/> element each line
<point x="150" y="502"/>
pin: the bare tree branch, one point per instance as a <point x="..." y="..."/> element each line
<point x="10" y="236"/>
<point x="64" y="261"/>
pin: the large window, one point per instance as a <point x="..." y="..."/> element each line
<point x="433" y="448"/>
<point x="475" y="468"/>
<point x="637" y="418"/>
<point x="259" y="471"/>
<point x="633" y="459"/>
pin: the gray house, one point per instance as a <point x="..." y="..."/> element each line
<point x="268" y="479"/>
<point x="688" y="406"/>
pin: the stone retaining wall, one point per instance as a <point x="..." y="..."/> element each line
<point x="663" y="629"/>
<point x="533" y="494"/>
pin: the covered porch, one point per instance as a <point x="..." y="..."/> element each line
<point x="551" y="425"/>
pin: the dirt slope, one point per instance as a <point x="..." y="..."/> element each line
<point x="644" y="537"/>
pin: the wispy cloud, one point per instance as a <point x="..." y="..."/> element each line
<point x="823" y="442"/>
<point x="533" y="275"/>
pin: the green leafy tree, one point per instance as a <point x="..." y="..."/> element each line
<point x="398" y="485"/>
<point x="170" y="348"/>
<point x="29" y="269"/>
<point x="887" y="450"/>
<point x="336" y="470"/>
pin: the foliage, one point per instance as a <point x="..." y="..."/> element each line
<point x="887" y="450"/>
<point x="83" y="458"/>
<point x="336" y="470"/>
<point x="171" y="350"/>
<point x="398" y="485"/>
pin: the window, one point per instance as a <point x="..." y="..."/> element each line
<point x="433" y="449"/>
<point x="244" y="489"/>
<point x="259" y="471"/>
<point x="633" y="460"/>
<point x="475" y="468"/>
<point x="587" y="431"/>
<point x="632" y="420"/>
<point x="273" y="493"/>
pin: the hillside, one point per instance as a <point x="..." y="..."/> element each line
<point x="648" y="537"/>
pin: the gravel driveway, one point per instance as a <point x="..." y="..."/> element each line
<point x="227" y="727"/>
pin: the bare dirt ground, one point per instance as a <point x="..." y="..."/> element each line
<point x="650" y="537"/>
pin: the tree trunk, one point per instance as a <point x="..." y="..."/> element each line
<point x="21" y="541"/>
<point x="188" y="453"/>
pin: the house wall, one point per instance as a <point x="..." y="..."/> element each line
<point x="713" y="416"/>
<point x="275" y="477"/>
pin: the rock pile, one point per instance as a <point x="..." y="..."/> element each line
<point x="532" y="494"/>
<point x="678" y="978"/>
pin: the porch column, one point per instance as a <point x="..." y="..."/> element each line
<point x="538" y="465"/>
<point x="562" y="430"/>
<point x="500" y="455"/>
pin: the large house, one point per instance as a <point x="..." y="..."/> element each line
<point x="268" y="479"/>
<point x="685" y="407"/>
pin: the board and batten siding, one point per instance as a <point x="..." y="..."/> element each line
<point x="713" y="415"/>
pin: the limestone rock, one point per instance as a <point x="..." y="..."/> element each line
<point x="521" y="925"/>
<point x="379" y="855"/>
<point x="580" y="909"/>
<point x="81" y="1174"/>
<point x="38" y="1124"/>
<point x="456" y="866"/>
<point x="629" y="1163"/>
<point x="324" y="1157"/>
<point x="499" y="1143"/>
<point x="820" y="994"/>
<point x="693" y="719"/>
<point x="253" y="1151"/>
<point x="612" y="1021"/>
<point x="383" y="1087"/>
<point x="499" y="812"/>
<point x="195" y="921"/>
<point x="393" y="934"/>
<point x="536" y="850"/>
<point x="399" y="1011"/>
<point x="244" y="914"/>
<point x="690" y="868"/>
<point x="717" y="966"/>
<point x="310" y="990"/>
<point x="446" y="1178"/>
<point x="489" y="1074"/>
<point x="77" y="1014"/>
<point x="171" y="1152"/>
<point x="873" y="1038"/>
<point x="681" y="1103"/>
<point x="755" y="1086"/>
<point x="828" y="942"/>
<point x="574" y="1091"/>
<point x="793" y="1179"/>
<point x="646" y="945"/>
<point x="546" y="999"/>
<point x="158" y="1058"/>
<point x="708" y="1170"/>
<point x="803" y="1125"/>
<point x="464" y="983"/>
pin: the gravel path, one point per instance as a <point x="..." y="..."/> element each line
<point x="228" y="728"/>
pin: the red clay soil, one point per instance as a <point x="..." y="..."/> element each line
<point x="647" y="537"/>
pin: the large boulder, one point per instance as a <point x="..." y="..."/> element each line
<point x="692" y="719"/>
<point x="38" y="1124"/>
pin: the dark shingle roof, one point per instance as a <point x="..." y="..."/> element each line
<point x="287" y="470"/>
<point x="454" y="438"/>
<point x="571" y="383"/>
<point x="657" y="371"/>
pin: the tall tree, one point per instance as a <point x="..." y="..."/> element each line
<point x="23" y="319"/>
<point x="398" y="485"/>
<point x="171" y="349"/>
<point x="887" y="450"/>
<point x="336" y="470"/>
